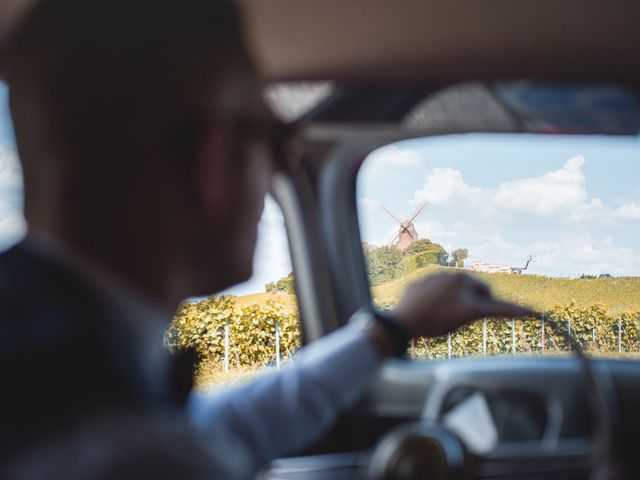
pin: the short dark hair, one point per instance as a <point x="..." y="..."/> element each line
<point x="112" y="74"/>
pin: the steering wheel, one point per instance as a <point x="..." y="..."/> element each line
<point x="430" y="449"/>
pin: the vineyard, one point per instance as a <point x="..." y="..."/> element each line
<point x="229" y="333"/>
<point x="595" y="329"/>
<point x="540" y="293"/>
<point x="263" y="329"/>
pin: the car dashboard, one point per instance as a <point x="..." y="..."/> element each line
<point x="490" y="417"/>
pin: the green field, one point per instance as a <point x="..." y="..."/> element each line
<point x="604" y="316"/>
<point x="538" y="292"/>
<point x="287" y="300"/>
<point x="535" y="291"/>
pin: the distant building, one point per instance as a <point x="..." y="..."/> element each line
<point x="481" y="266"/>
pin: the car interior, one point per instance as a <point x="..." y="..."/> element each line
<point x="352" y="77"/>
<point x="355" y="76"/>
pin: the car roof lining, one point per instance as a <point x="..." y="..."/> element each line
<point x="526" y="106"/>
<point x="436" y="41"/>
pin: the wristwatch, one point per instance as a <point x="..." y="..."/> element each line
<point x="398" y="334"/>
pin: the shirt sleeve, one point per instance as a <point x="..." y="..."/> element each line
<point x="285" y="411"/>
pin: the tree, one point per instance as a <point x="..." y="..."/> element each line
<point x="428" y="254"/>
<point x="384" y="264"/>
<point x="284" y="285"/>
<point x="458" y="257"/>
<point x="389" y="263"/>
<point x="418" y="246"/>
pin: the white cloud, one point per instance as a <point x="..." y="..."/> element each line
<point x="12" y="229"/>
<point x="10" y="170"/>
<point x="447" y="186"/>
<point x="12" y="225"/>
<point x="368" y="202"/>
<point x="272" y="259"/>
<point x="595" y="256"/>
<point x="567" y="253"/>
<point x="551" y="216"/>
<point x="558" y="193"/>
<point x="630" y="211"/>
<point x="590" y="211"/>
<point x="393" y="156"/>
<point x="431" y="230"/>
<point x="556" y="203"/>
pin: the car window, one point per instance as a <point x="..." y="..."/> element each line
<point x="550" y="222"/>
<point x="12" y="225"/>
<point x="251" y="327"/>
<point x="237" y="333"/>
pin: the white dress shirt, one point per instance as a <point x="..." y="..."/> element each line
<point x="275" y="414"/>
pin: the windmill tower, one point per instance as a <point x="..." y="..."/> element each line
<point x="407" y="233"/>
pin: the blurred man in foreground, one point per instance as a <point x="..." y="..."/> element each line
<point x="147" y="152"/>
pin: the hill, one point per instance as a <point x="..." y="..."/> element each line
<point x="288" y="301"/>
<point x="538" y="292"/>
<point x="390" y="263"/>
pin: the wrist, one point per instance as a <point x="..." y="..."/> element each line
<point x="390" y="337"/>
<point x="380" y="339"/>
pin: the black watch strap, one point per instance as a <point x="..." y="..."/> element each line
<point x="398" y="333"/>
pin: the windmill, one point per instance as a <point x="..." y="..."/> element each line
<point x="407" y="233"/>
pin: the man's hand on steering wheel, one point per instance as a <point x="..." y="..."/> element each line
<point x="441" y="303"/>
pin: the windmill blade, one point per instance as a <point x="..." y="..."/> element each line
<point x="418" y="211"/>
<point x="388" y="212"/>
<point x="394" y="239"/>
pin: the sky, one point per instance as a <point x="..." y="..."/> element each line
<point x="12" y="226"/>
<point x="573" y="203"/>
<point x="272" y="259"/>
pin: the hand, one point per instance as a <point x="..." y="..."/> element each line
<point x="441" y="303"/>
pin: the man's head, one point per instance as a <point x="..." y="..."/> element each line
<point x="138" y="125"/>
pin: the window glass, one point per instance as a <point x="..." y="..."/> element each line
<point x="12" y="225"/>
<point x="551" y="222"/>
<point x="252" y="327"/>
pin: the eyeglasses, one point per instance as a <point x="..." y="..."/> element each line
<point x="275" y="136"/>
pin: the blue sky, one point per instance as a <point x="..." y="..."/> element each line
<point x="572" y="202"/>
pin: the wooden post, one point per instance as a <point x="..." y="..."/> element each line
<point x="484" y="336"/>
<point x="543" y="339"/>
<point x="226" y="345"/>
<point x="278" y="345"/>
<point x="449" y="344"/>
<point x="413" y="348"/>
<point x="513" y="336"/>
<point x="620" y="334"/>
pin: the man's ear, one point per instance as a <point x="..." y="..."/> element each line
<point x="214" y="177"/>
